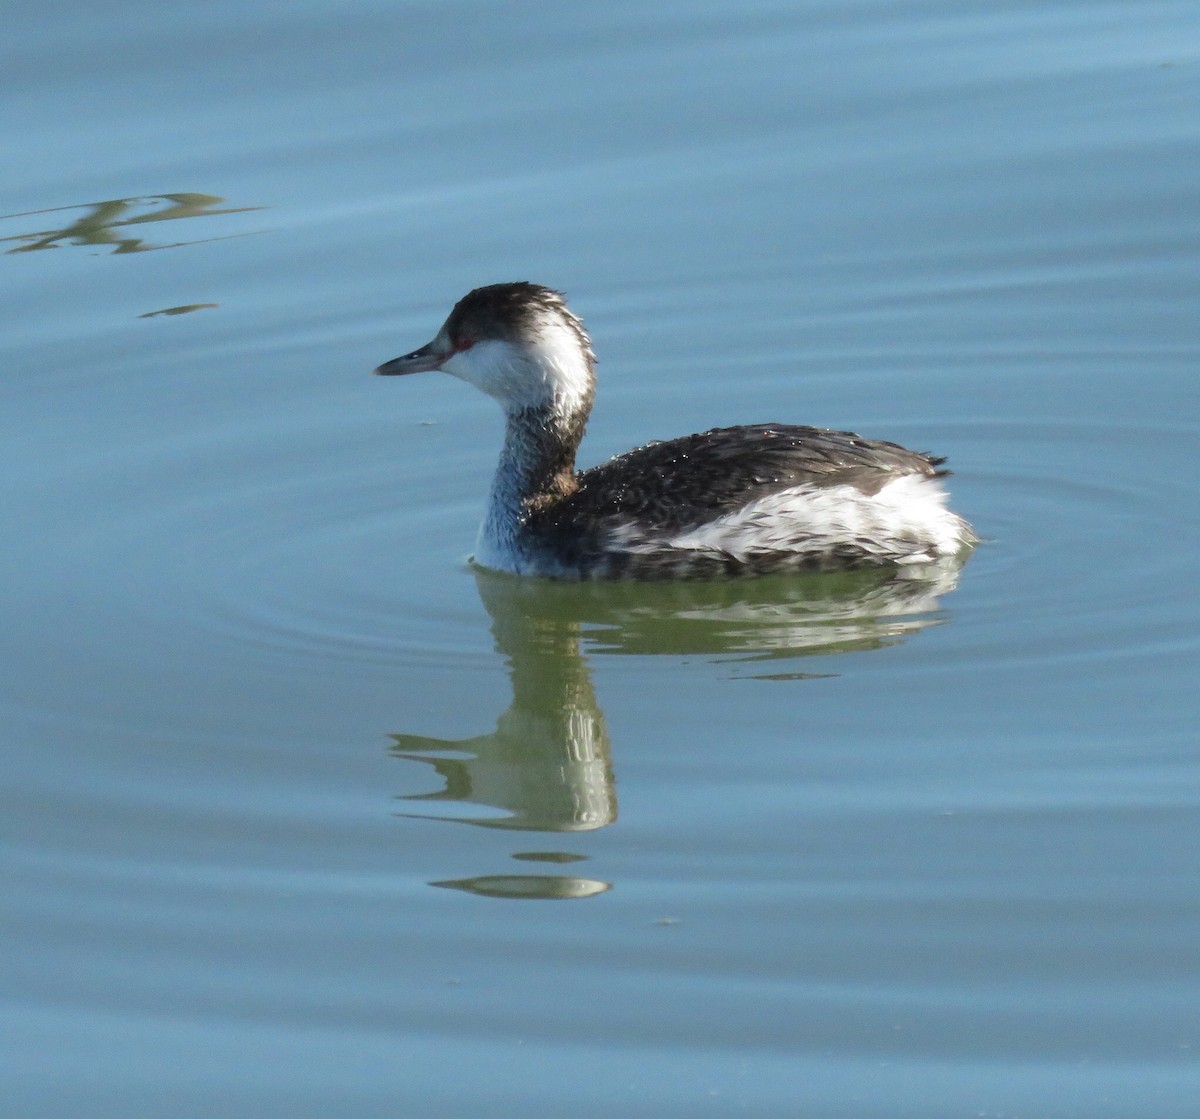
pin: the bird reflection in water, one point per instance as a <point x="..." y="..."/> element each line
<point x="547" y="767"/>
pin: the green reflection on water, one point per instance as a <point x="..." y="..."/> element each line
<point x="98" y="225"/>
<point x="547" y="766"/>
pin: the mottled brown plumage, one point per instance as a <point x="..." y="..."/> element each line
<point x="679" y="484"/>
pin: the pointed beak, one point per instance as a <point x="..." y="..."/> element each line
<point x="419" y="361"/>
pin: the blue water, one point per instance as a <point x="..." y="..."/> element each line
<point x="306" y="818"/>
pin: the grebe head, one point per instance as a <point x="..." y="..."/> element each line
<point x="517" y="342"/>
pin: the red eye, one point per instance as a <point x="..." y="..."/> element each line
<point x="463" y="343"/>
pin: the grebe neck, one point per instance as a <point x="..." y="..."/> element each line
<point x="536" y="470"/>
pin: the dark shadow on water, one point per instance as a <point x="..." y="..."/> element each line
<point x="185" y="309"/>
<point x="537" y="887"/>
<point x="547" y="766"/>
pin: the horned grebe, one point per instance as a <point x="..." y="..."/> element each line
<point x="750" y="499"/>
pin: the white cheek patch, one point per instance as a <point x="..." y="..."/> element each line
<point x="495" y="367"/>
<point x="563" y="366"/>
<point x="905" y="522"/>
<point x="552" y="373"/>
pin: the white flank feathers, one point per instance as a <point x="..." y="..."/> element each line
<point x="905" y="522"/>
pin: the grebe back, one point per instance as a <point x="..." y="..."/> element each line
<point x="735" y="500"/>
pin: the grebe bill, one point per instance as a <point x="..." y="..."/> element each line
<point x="738" y="500"/>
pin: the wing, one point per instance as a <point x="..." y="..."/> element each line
<point x="687" y="481"/>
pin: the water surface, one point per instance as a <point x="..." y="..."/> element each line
<point x="306" y="817"/>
